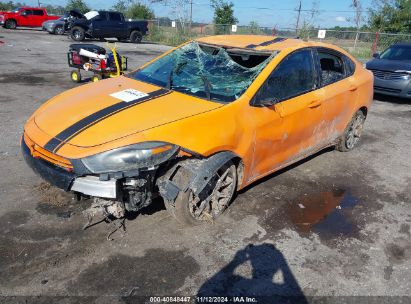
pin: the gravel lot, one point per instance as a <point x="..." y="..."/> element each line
<point x="336" y="224"/>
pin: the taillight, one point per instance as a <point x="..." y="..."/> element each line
<point x="76" y="58"/>
<point x="103" y="64"/>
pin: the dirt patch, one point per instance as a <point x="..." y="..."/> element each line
<point x="158" y="272"/>
<point x="13" y="219"/>
<point x="5" y="99"/>
<point x="18" y="257"/>
<point x="54" y="201"/>
<point x="405" y="229"/>
<point x="398" y="252"/>
<point x="388" y="270"/>
<point x="22" y="79"/>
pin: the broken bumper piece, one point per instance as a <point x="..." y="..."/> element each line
<point x="93" y="186"/>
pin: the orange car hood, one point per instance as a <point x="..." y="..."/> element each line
<point x="74" y="106"/>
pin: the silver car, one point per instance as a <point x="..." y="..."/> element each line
<point x="392" y="70"/>
<point x="58" y="27"/>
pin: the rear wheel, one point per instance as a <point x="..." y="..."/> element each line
<point x="136" y="37"/>
<point x="190" y="210"/>
<point x="10" y="24"/>
<point x="75" y="76"/>
<point x="77" y="33"/>
<point x="352" y="133"/>
<point x="59" y="30"/>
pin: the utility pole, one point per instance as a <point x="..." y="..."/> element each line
<point x="191" y="15"/>
<point x="38" y="2"/>
<point x="298" y="18"/>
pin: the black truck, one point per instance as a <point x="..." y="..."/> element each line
<point x="106" y="24"/>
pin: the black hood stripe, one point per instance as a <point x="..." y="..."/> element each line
<point x="60" y="139"/>
<point x="275" y="40"/>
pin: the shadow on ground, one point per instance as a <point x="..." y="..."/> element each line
<point x="392" y="99"/>
<point x="259" y="271"/>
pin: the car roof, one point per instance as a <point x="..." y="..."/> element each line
<point x="262" y="43"/>
<point x="403" y="43"/>
<point x="31" y="7"/>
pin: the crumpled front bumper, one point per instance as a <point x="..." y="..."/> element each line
<point x="68" y="181"/>
<point x="51" y="173"/>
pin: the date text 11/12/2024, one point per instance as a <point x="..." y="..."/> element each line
<point x="199" y="299"/>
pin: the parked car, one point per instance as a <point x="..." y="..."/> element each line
<point x="104" y="24"/>
<point x="392" y="70"/>
<point x="199" y="123"/>
<point x="25" y="16"/>
<point x="58" y="26"/>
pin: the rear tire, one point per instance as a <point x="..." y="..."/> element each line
<point x="136" y="37"/>
<point x="75" y="76"/>
<point x="10" y="24"/>
<point x="77" y="33"/>
<point x="189" y="211"/>
<point x="352" y="133"/>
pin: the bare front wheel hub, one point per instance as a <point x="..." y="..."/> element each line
<point x="219" y="196"/>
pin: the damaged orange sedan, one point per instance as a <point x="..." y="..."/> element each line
<point x="199" y="123"/>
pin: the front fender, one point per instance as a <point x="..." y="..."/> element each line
<point x="192" y="174"/>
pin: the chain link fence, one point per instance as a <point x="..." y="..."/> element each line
<point x="360" y="44"/>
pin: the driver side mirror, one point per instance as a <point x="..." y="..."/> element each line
<point x="23" y="13"/>
<point x="376" y="55"/>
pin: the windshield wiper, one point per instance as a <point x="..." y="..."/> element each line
<point x="177" y="70"/>
<point x="170" y="79"/>
<point x="207" y="86"/>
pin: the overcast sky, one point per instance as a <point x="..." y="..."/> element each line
<point x="266" y="13"/>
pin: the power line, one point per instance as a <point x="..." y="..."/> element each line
<point x="283" y="9"/>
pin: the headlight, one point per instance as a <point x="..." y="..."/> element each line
<point x="142" y="155"/>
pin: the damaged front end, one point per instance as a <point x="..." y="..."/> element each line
<point x="118" y="180"/>
<point x="125" y="175"/>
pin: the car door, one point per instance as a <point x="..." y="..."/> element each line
<point x="25" y="17"/>
<point x="117" y="25"/>
<point x="37" y="18"/>
<point x="287" y="130"/>
<point x="339" y="92"/>
<point x="99" y="26"/>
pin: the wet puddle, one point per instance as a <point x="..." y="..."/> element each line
<point x="326" y="213"/>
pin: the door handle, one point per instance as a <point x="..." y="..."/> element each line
<point x="315" y="103"/>
<point x="353" y="88"/>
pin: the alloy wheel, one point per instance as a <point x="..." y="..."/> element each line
<point x="354" y="134"/>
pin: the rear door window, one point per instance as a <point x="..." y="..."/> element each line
<point x="294" y="75"/>
<point x="331" y="67"/>
<point x="38" y="12"/>
<point x="115" y="17"/>
<point x="349" y="66"/>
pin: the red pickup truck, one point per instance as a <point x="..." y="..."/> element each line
<point x="25" y="16"/>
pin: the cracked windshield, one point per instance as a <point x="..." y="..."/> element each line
<point x="206" y="71"/>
